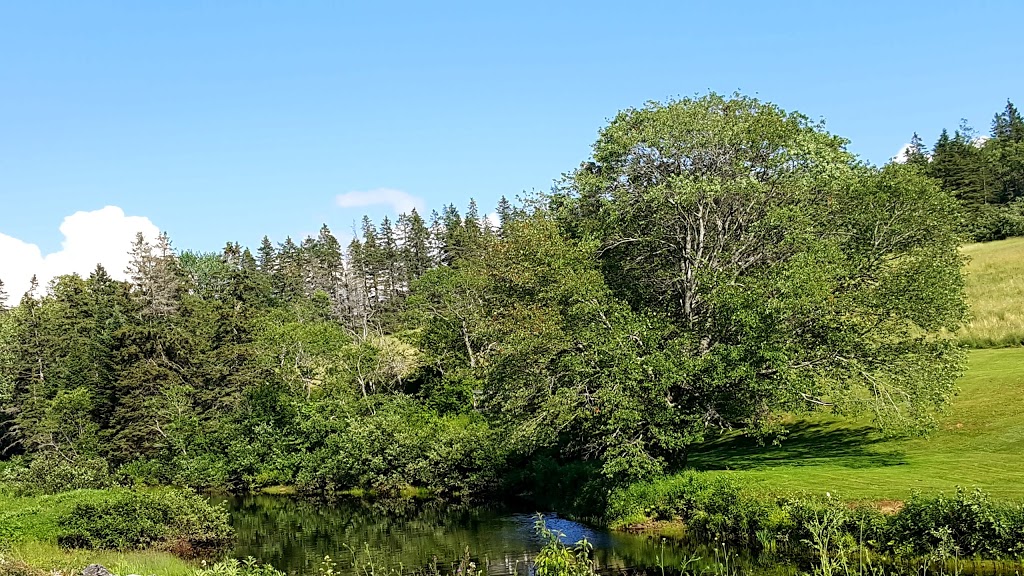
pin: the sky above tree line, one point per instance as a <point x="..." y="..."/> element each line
<point x="230" y="120"/>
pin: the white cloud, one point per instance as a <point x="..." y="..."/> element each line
<point x="901" y="156"/>
<point x="101" y="236"/>
<point x="494" y="220"/>
<point x="399" y="201"/>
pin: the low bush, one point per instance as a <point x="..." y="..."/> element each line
<point x="559" y="559"/>
<point x="180" y="521"/>
<point x="235" y="567"/>
<point x="49" y="473"/>
<point x="966" y="523"/>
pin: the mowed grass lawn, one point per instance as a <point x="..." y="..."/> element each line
<point x="995" y="290"/>
<point x="980" y="443"/>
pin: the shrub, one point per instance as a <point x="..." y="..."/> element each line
<point x="180" y="521"/>
<point x="558" y="559"/>
<point x="712" y="507"/>
<point x="142" y="473"/>
<point x="969" y="522"/>
<point x="49" y="473"/>
<point x="234" y="567"/>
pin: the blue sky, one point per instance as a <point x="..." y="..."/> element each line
<point x="228" y="120"/>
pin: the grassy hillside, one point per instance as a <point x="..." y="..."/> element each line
<point x="979" y="443"/>
<point x="995" y="289"/>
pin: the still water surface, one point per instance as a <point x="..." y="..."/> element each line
<point x="295" y="534"/>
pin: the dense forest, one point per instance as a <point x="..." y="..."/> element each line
<point x="716" y="264"/>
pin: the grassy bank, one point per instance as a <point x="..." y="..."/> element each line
<point x="128" y="532"/>
<point x="995" y="290"/>
<point x="50" y="557"/>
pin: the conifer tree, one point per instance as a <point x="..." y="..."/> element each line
<point x="152" y="270"/>
<point x="286" y="277"/>
<point x="415" y="254"/>
<point x="1008" y="125"/>
<point x="266" y="256"/>
<point x="389" y="259"/>
<point x="916" y="154"/>
<point x="370" y="262"/>
<point x="506" y="212"/>
<point x="450" y="234"/>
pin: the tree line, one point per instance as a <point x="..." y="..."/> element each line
<point x="716" y="264"/>
<point x="986" y="174"/>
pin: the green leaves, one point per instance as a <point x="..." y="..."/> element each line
<point x="792" y="276"/>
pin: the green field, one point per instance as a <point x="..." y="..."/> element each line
<point x="980" y="440"/>
<point x="995" y="290"/>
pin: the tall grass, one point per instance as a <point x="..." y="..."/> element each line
<point x="51" y="558"/>
<point x="995" y="292"/>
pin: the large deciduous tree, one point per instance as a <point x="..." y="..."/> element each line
<point x="794" y="277"/>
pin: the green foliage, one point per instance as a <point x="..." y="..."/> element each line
<point x="717" y="509"/>
<point x="713" y="508"/>
<point x="178" y="520"/>
<point x="15" y="568"/>
<point x="718" y="265"/>
<point x="767" y="273"/>
<point x="572" y="487"/>
<point x="986" y="176"/>
<point x="388" y="443"/>
<point x="49" y="473"/>
<point x="235" y="567"/>
<point x="968" y="521"/>
<point x="558" y="559"/>
<point x="52" y="559"/>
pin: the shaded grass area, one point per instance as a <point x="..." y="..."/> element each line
<point x="979" y="443"/>
<point x="995" y="289"/>
<point x="29" y="530"/>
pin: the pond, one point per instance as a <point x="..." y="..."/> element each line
<point x="295" y="535"/>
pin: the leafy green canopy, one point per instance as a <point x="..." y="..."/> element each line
<point x="717" y="264"/>
<point x="788" y="276"/>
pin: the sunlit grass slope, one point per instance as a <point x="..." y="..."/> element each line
<point x="995" y="291"/>
<point x="980" y="443"/>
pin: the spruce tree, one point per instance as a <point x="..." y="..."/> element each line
<point x="370" y="262"/>
<point x="392" y="282"/>
<point x="415" y="246"/>
<point x="266" y="256"/>
<point x="1008" y="125"/>
<point x="916" y="154"/>
<point x="506" y="213"/>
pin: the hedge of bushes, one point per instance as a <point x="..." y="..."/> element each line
<point x="715" y="509"/>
